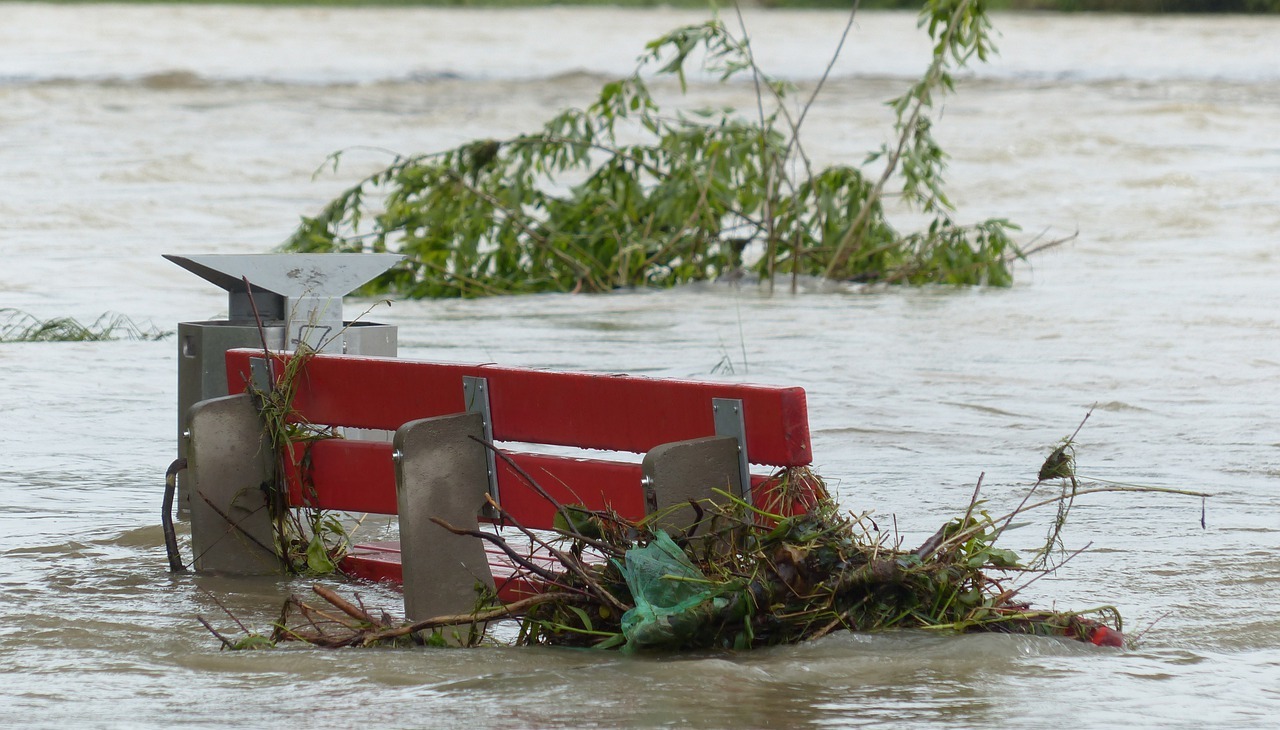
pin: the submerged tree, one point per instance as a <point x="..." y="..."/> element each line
<point x="620" y="194"/>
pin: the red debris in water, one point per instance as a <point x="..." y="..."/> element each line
<point x="1103" y="636"/>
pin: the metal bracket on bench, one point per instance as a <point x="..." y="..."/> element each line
<point x="731" y="421"/>
<point x="475" y="394"/>
<point x="260" y="373"/>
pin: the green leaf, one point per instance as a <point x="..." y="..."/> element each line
<point x="582" y="616"/>
<point x="1002" y="558"/>
<point x="318" y="560"/>
<point x="253" y="642"/>
<point x="612" y="642"/>
<point x="576" y="520"/>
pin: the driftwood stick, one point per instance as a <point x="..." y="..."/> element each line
<point x="502" y="545"/>
<point x="344" y="605"/>
<point x="510" y="609"/>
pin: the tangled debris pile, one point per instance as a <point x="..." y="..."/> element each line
<point x="743" y="577"/>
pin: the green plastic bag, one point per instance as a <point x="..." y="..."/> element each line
<point x="667" y="589"/>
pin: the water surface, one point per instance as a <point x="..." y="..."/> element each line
<point x="132" y="131"/>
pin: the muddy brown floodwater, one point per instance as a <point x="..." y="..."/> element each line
<point x="131" y="131"/>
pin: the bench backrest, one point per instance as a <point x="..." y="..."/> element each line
<point x="618" y="413"/>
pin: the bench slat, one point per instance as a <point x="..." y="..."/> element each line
<point x="379" y="562"/>
<point x="359" y="476"/>
<point x="594" y="411"/>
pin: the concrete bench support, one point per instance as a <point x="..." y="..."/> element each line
<point x="676" y="472"/>
<point x="441" y="472"/>
<point x="228" y="461"/>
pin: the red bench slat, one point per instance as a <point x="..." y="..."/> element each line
<point x="609" y="412"/>
<point x="379" y="562"/>
<point x="591" y="483"/>
<point x="351" y="476"/>
<point x="359" y="476"/>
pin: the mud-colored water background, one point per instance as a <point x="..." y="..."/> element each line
<point x="127" y="132"/>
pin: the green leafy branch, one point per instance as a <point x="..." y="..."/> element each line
<point x="621" y="194"/>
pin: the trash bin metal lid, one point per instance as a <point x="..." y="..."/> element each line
<point x="290" y="275"/>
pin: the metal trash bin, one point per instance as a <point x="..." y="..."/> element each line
<point x="297" y="298"/>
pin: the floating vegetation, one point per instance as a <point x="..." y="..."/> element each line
<point x="19" y="326"/>
<point x="741" y="577"/>
<point x="625" y="193"/>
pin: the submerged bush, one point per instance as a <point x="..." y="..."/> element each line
<point x="621" y="194"/>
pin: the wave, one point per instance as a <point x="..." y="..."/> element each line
<point x="173" y="47"/>
<point x="184" y="79"/>
<point x="1260" y="86"/>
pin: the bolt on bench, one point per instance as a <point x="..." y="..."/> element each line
<point x="695" y="437"/>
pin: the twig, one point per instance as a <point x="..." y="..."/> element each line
<point x="227" y="611"/>
<point x="841" y="619"/>
<point x="1133" y="640"/>
<point x="257" y="318"/>
<point x="570" y="563"/>
<point x="826" y="73"/>
<point x="305" y="611"/>
<point x="770" y="170"/>
<point x="1005" y="596"/>
<point x="973" y="501"/>
<point x="969" y="532"/>
<point x="934" y="73"/>
<point x="1071" y="439"/>
<point x="233" y="525"/>
<point x="928" y="547"/>
<point x="1030" y="249"/>
<point x="542" y="492"/>
<point x="226" y="644"/>
<point x="510" y="609"/>
<point x="502" y="545"/>
<point x="331" y="618"/>
<point x="835" y="623"/>
<point x="519" y="470"/>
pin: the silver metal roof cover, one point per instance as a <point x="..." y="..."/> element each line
<point x="291" y="275"/>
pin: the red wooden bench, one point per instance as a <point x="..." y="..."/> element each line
<point x="682" y="426"/>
